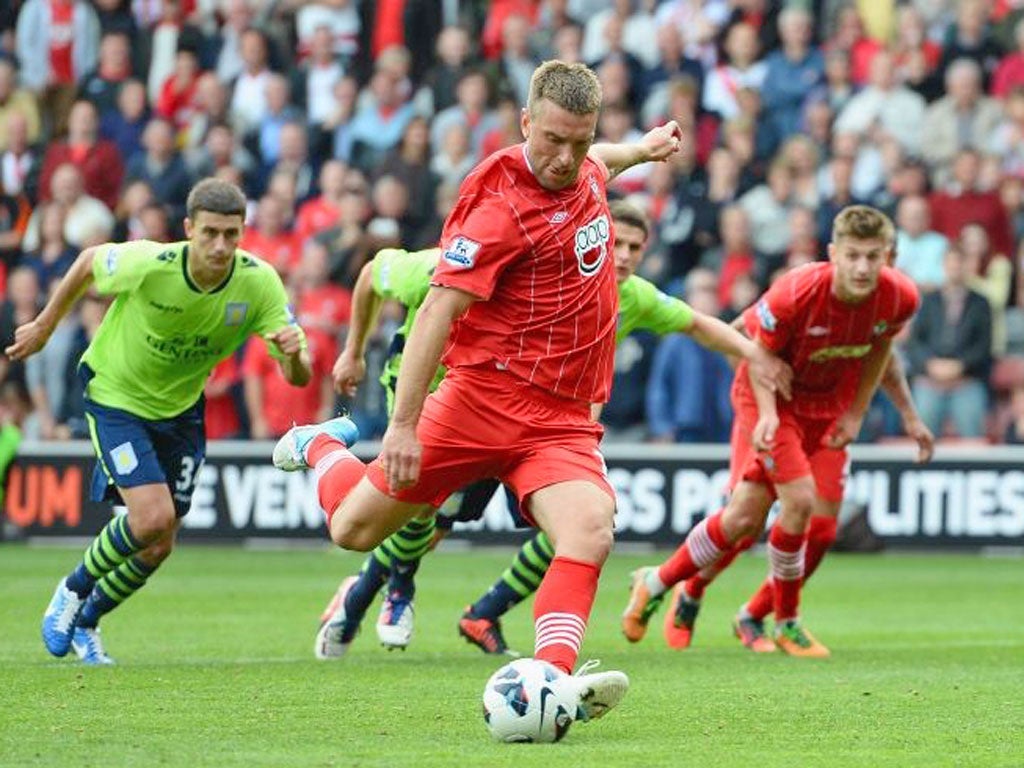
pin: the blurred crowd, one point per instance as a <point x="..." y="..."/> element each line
<point x="351" y="123"/>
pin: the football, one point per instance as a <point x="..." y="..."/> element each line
<point x="529" y="701"/>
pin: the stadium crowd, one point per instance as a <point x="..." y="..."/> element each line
<point x="350" y="124"/>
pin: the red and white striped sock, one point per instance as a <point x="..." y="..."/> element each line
<point x="337" y="471"/>
<point x="704" y="545"/>
<point x="561" y="610"/>
<point x="821" y="534"/>
<point x="696" y="585"/>
<point x="786" y="556"/>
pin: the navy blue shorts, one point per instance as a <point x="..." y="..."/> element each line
<point x="133" y="451"/>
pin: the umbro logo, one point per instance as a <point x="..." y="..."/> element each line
<point x="817" y="330"/>
<point x="559" y="217"/>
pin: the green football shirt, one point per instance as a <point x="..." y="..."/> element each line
<point x="162" y="335"/>
<point x="642" y="305"/>
<point x="405" y="277"/>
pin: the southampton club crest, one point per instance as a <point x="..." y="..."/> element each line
<point x="592" y="245"/>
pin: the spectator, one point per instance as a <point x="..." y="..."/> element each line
<point x="991" y="275"/>
<point x="54" y="256"/>
<point x="917" y="58"/>
<point x="390" y="201"/>
<point x="339" y="18"/>
<point x="97" y="159"/>
<point x="767" y="206"/>
<point x="850" y="38"/>
<point x="454" y="159"/>
<point x="155" y="220"/>
<point x="210" y="108"/>
<point x="124" y="127"/>
<point x="269" y="238"/>
<point x="20" y="163"/>
<point x="162" y="166"/>
<point x="314" y="83"/>
<point x="635" y="30"/>
<point x="1010" y="71"/>
<point x="294" y="158"/>
<point x="920" y="251"/>
<point x="792" y="72"/>
<point x="409" y="162"/>
<point x="950" y="353"/>
<point x="963" y="202"/>
<point x="16" y="101"/>
<point x="688" y="390"/>
<point x="514" y="68"/>
<point x="274" y="405"/>
<point x="177" y="99"/>
<point x="280" y="112"/>
<point x="238" y="17"/>
<point x="222" y="420"/>
<point x="801" y="156"/>
<point x="23" y="303"/>
<point x="836" y="187"/>
<point x="471" y="111"/>
<point x="838" y="88"/>
<point x="102" y="85"/>
<point x="671" y="65"/>
<point x="87" y="218"/>
<point x="128" y="215"/>
<point x="970" y="38"/>
<point x="249" y="97"/>
<point x="347" y="240"/>
<point x="735" y="257"/>
<point x="378" y="127"/>
<point x="723" y="189"/>
<point x="323" y="211"/>
<point x="14" y="216"/>
<point x="442" y="79"/>
<point x="321" y="306"/>
<point x="220" y="150"/>
<point x="743" y="70"/>
<point x="698" y="23"/>
<point x="71" y="417"/>
<point x="1007" y="140"/>
<point x="884" y="108"/>
<point x="964" y="118"/>
<point x="57" y="45"/>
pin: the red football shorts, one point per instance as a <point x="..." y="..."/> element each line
<point x="482" y="422"/>
<point x="797" y="452"/>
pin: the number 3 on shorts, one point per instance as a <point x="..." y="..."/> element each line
<point x="187" y="478"/>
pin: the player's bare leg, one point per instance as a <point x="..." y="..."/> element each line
<point x="577" y="516"/>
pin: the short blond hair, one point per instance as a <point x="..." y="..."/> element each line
<point x="862" y="222"/>
<point x="573" y="87"/>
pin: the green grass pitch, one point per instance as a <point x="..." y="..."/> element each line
<point x="216" y="669"/>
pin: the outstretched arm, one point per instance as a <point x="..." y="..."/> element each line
<point x="400" y="450"/>
<point x="657" y="144"/>
<point x="350" y="367"/>
<point x="33" y="335"/>
<point x="772" y="373"/>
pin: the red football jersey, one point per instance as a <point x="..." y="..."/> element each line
<point x="541" y="263"/>
<point x="824" y="339"/>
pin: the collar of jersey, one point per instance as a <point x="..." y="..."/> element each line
<point x="191" y="283"/>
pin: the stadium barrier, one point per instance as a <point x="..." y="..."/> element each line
<point x="966" y="498"/>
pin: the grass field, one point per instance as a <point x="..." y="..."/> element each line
<point x="216" y="668"/>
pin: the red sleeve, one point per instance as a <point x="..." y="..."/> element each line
<point x="55" y="155"/>
<point x="480" y="239"/>
<point x="771" y="318"/>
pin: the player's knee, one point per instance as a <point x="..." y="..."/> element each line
<point x="154" y="522"/>
<point x="157" y="552"/>
<point x="798" y="506"/>
<point x="589" y="540"/>
<point x="351" y="535"/>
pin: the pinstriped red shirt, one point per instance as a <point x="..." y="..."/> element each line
<point x="542" y="264"/>
<point x="824" y="339"/>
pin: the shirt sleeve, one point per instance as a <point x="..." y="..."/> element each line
<point x="479" y="241"/>
<point x="771" y="318"/>
<point x="402" y="276"/>
<point x="121" y="267"/>
<point x="660" y="312"/>
<point x="275" y="312"/>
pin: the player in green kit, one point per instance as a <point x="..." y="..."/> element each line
<point x="178" y="310"/>
<point x="405" y="277"/>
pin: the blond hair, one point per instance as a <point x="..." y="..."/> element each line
<point x="862" y="222"/>
<point x="573" y="87"/>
